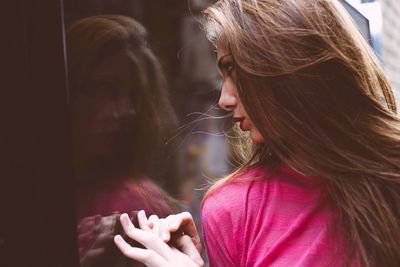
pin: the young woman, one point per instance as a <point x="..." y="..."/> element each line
<point x="322" y="184"/>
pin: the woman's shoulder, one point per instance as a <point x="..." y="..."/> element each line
<point x="250" y="185"/>
<point x="234" y="186"/>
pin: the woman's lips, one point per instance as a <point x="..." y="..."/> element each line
<point x="241" y="125"/>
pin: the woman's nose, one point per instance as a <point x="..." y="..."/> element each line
<point x="228" y="98"/>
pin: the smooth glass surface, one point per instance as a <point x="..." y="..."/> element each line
<point x="147" y="132"/>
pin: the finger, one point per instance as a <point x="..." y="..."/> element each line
<point x="143" y="222"/>
<point x="86" y="235"/>
<point x="146" y="256"/>
<point x="93" y="253"/>
<point x="85" y="222"/>
<point x="163" y="229"/>
<point x="126" y="223"/>
<point x="102" y="240"/>
<point x="88" y="222"/>
<point x="156" y="226"/>
<point x="183" y="258"/>
<point x="91" y="257"/>
<point x="185" y="244"/>
<point x="107" y="224"/>
<point x="149" y="239"/>
<point x="184" y="222"/>
<point x="153" y="219"/>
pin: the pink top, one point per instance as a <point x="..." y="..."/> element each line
<point x="271" y="216"/>
<point x="115" y="196"/>
<point x="122" y="195"/>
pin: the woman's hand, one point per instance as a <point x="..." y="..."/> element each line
<point x="173" y="225"/>
<point x="157" y="252"/>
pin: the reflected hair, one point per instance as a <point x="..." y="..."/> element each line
<point x="314" y="89"/>
<point x="90" y="40"/>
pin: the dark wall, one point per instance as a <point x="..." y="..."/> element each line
<point x="37" y="226"/>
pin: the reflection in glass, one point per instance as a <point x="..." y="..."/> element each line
<point x="121" y="116"/>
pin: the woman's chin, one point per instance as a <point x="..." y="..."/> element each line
<point x="256" y="137"/>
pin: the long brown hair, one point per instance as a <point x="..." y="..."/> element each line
<point x="90" y="40"/>
<point x="314" y="89"/>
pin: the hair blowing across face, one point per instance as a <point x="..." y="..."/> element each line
<point x="314" y="89"/>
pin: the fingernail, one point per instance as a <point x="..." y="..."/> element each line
<point x="124" y="216"/>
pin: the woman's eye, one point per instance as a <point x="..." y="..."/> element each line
<point x="229" y="69"/>
<point x="226" y="67"/>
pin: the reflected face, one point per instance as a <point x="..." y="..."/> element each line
<point x="104" y="108"/>
<point x="229" y="99"/>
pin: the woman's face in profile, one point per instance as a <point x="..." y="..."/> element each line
<point x="105" y="109"/>
<point x="229" y="98"/>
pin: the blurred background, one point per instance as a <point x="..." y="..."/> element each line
<point x="383" y="17"/>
